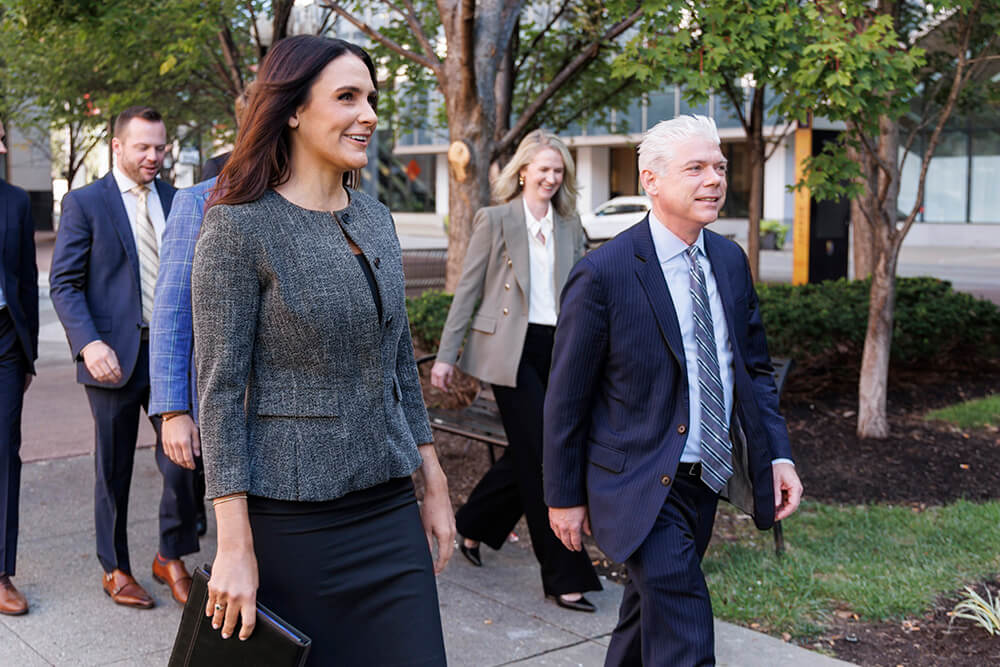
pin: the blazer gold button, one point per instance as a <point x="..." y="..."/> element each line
<point x="665" y="480"/>
<point x="506" y="285"/>
<point x="682" y="429"/>
<point x="506" y="311"/>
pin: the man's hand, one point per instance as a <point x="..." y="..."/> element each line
<point x="441" y="375"/>
<point x="787" y="490"/>
<point x="180" y="438"/>
<point x="101" y="362"/>
<point x="567" y="522"/>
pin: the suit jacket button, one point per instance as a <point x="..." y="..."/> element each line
<point x="506" y="285"/>
<point x="682" y="429"/>
<point x="506" y="311"/>
<point x="510" y="263"/>
<point x="665" y="480"/>
<point x="376" y="262"/>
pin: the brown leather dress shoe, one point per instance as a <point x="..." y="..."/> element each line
<point x="125" y="590"/>
<point x="173" y="574"/>
<point x="12" y="602"/>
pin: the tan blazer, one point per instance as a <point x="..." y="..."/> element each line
<point x="497" y="269"/>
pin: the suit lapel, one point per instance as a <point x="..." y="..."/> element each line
<point x="647" y="269"/>
<point x="563" y="238"/>
<point x="722" y="284"/>
<point x="119" y="220"/>
<point x="166" y="194"/>
<point x="515" y="234"/>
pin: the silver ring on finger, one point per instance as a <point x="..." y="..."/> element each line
<point x="218" y="607"/>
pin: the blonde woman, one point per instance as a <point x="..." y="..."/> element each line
<point x="518" y="259"/>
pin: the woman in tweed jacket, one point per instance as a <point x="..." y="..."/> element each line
<point x="519" y="257"/>
<point x="311" y="411"/>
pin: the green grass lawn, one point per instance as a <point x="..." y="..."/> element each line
<point x="880" y="562"/>
<point x="971" y="414"/>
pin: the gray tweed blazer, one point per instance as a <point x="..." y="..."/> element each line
<point x="305" y="394"/>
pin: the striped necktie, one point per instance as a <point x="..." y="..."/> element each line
<point x="716" y="450"/>
<point x="149" y="254"/>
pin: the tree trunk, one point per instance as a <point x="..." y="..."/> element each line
<point x="756" y="203"/>
<point x="873" y="383"/>
<point x="862" y="239"/>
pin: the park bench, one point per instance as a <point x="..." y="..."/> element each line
<point x="480" y="422"/>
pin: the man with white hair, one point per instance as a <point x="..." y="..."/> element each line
<point x="661" y="401"/>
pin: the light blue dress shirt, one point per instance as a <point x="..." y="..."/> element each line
<point x="670" y="252"/>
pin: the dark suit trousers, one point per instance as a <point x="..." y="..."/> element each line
<point x="13" y="369"/>
<point x="666" y="614"/>
<point x="513" y="485"/>
<point x="116" y="420"/>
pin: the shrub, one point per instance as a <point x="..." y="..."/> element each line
<point x="825" y="323"/>
<point x="427" y="314"/>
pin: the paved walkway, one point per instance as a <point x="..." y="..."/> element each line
<point x="493" y="615"/>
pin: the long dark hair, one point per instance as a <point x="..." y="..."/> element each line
<point x="262" y="152"/>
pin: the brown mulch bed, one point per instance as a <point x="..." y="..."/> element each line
<point x="921" y="463"/>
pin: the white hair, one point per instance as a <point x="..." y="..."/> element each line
<point x="656" y="149"/>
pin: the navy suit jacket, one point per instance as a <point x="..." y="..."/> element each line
<point x="616" y="408"/>
<point x="19" y="277"/>
<point x="94" y="276"/>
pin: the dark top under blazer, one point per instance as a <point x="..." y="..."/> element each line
<point x="616" y="409"/>
<point x="305" y="393"/>
<point x="19" y="277"/>
<point x="94" y="277"/>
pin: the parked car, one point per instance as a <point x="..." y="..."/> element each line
<point x="612" y="217"/>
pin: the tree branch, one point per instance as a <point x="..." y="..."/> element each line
<point x="577" y="64"/>
<point x="231" y="53"/>
<point x="418" y="30"/>
<point x="776" y="139"/>
<point x="538" y="38"/>
<point x="949" y="106"/>
<point x="727" y="87"/>
<point x="433" y="65"/>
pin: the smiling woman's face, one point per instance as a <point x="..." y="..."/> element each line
<point x="543" y="175"/>
<point x="335" y="125"/>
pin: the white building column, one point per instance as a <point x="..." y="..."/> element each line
<point x="441" y="184"/>
<point x="778" y="202"/>
<point x="593" y="176"/>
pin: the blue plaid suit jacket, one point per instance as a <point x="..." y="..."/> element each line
<point x="171" y="339"/>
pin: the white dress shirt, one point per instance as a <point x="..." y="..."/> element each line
<point x="131" y="201"/>
<point x="542" y="299"/>
<point x="670" y="251"/>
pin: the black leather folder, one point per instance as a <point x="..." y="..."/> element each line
<point x="274" y="642"/>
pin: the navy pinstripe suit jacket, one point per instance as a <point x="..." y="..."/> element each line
<point x="616" y="409"/>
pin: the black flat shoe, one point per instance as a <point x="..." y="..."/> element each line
<point x="471" y="554"/>
<point x="583" y="604"/>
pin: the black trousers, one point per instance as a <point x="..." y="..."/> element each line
<point x="354" y="574"/>
<point x="116" y="423"/>
<point x="13" y="369"/>
<point x="513" y="485"/>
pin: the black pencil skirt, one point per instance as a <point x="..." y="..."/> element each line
<point x="354" y="574"/>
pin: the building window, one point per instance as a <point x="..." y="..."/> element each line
<point x="738" y="194"/>
<point x="985" y="199"/>
<point x="406" y="183"/>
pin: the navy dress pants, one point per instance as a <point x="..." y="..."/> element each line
<point x="13" y="369"/>
<point x="116" y="422"/>
<point x="665" y="618"/>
